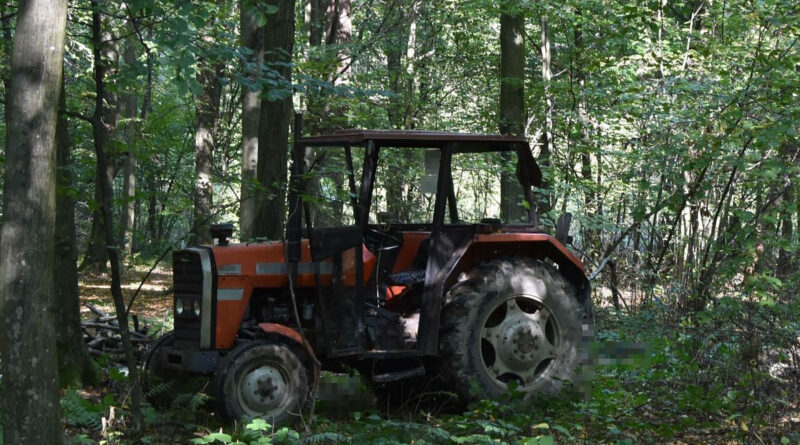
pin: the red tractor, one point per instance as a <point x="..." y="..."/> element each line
<point x="433" y="292"/>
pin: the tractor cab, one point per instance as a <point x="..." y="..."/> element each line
<point x="393" y="192"/>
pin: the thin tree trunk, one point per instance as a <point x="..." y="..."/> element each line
<point x="74" y="363"/>
<point x="512" y="107"/>
<point x="30" y="406"/>
<point x="315" y="119"/>
<point x="5" y="73"/>
<point x="144" y="113"/>
<point x="410" y="75"/>
<point x="394" y="48"/>
<point x="253" y="38"/>
<point x="547" y="145"/>
<point x="150" y="177"/>
<point x="129" y="113"/>
<point x="101" y="138"/>
<point x="584" y="143"/>
<point x="207" y="111"/>
<point x="329" y="23"/>
<point x="273" y="140"/>
<point x="786" y="259"/>
<point x="106" y="54"/>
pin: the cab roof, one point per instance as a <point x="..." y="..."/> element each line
<point x="468" y="142"/>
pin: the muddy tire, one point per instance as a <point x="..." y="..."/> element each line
<point x="511" y="320"/>
<point x="264" y="380"/>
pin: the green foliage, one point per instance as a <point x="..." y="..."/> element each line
<point x="79" y="412"/>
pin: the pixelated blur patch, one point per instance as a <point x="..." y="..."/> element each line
<point x="340" y="394"/>
<point x="618" y="353"/>
<point x="633" y="355"/>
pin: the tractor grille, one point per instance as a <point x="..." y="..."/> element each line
<point x="187" y="279"/>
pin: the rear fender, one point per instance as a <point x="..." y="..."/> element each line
<point x="538" y="246"/>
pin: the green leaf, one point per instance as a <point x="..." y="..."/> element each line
<point x="221" y="437"/>
<point x="539" y="440"/>
<point x="259" y="425"/>
<point x="562" y="430"/>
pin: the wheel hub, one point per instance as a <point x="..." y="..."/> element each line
<point x="525" y="341"/>
<point x="263" y="389"/>
<point x="519" y="341"/>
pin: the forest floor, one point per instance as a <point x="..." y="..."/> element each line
<point x="654" y="378"/>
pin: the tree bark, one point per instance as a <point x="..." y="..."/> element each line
<point x="128" y="107"/>
<point x="30" y="406"/>
<point x="5" y="24"/>
<point x="329" y="26"/>
<point x="512" y="107"/>
<point x="786" y="260"/>
<point x="207" y="111"/>
<point x="591" y="235"/>
<point x="273" y="138"/>
<point x="548" y="199"/>
<point x="74" y="363"/>
<point x="394" y="47"/>
<point x="104" y="123"/>
<point x="252" y="38"/>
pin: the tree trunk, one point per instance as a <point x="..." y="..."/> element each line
<point x="512" y="107"/>
<point x="30" y="406"/>
<point x="207" y="110"/>
<point x="329" y="23"/>
<point x="5" y="24"/>
<point x="548" y="199"/>
<point x="128" y="107"/>
<point x="591" y="235"/>
<point x="252" y="38"/>
<point x="395" y="42"/>
<point x="106" y="54"/>
<point x="273" y="135"/>
<point x="788" y="203"/>
<point x="74" y="363"/>
<point x="105" y="210"/>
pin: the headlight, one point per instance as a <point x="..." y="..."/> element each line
<point x="196" y="307"/>
<point x="179" y="306"/>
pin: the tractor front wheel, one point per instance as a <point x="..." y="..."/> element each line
<point x="511" y="320"/>
<point x="264" y="380"/>
<point x="159" y="384"/>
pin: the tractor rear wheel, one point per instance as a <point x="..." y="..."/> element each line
<point x="512" y="320"/>
<point x="264" y="380"/>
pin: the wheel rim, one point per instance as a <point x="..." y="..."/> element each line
<point x="519" y="340"/>
<point x="264" y="390"/>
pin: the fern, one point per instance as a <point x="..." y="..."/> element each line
<point x="158" y="389"/>
<point x="189" y="403"/>
<point x="328" y="437"/>
<point x="78" y="412"/>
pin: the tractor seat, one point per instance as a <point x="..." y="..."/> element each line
<point x="407" y="278"/>
<point x="416" y="274"/>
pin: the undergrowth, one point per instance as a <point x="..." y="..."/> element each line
<point x="726" y="374"/>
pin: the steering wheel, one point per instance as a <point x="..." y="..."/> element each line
<point x="381" y="241"/>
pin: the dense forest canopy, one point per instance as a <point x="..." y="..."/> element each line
<point x="668" y="129"/>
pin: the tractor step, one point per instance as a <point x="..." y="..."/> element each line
<point x="399" y="375"/>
